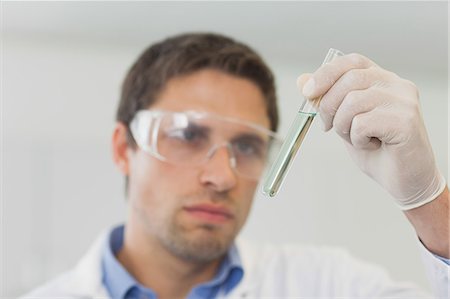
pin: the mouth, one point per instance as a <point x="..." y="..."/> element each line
<point x="209" y="213"/>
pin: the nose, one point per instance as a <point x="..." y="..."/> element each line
<point x="218" y="172"/>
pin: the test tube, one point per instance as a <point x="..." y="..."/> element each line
<point x="294" y="138"/>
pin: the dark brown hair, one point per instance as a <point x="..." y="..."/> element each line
<point x="187" y="53"/>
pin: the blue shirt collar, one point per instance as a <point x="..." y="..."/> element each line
<point x="116" y="278"/>
<point x="122" y="285"/>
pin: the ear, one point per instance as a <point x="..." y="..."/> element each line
<point x="120" y="148"/>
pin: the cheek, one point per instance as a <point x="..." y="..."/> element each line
<point x="154" y="184"/>
<point x="146" y="190"/>
<point x="245" y="200"/>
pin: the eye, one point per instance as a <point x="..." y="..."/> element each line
<point x="246" y="148"/>
<point x="188" y="135"/>
<point x="249" y="147"/>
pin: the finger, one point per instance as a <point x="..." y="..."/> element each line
<point x="363" y="131"/>
<point x="301" y="80"/>
<point x="357" y="102"/>
<point x="369" y="130"/>
<point x="354" y="79"/>
<point x="328" y="74"/>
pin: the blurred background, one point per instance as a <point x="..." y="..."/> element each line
<point x="61" y="71"/>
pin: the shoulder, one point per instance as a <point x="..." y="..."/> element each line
<point x="291" y="269"/>
<point x="293" y="256"/>
<point x="322" y="271"/>
<point x="83" y="281"/>
<point x="55" y="288"/>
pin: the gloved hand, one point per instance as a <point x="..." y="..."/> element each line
<point x="378" y="114"/>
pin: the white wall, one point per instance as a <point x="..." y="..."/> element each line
<point x="59" y="186"/>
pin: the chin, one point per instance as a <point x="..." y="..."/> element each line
<point x="205" y="244"/>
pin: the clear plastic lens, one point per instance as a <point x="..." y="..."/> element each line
<point x="192" y="138"/>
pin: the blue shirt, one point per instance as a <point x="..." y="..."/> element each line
<point x="447" y="261"/>
<point x="121" y="285"/>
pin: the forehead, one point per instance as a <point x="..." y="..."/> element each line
<point x="215" y="92"/>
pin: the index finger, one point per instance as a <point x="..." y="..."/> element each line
<point x="326" y="75"/>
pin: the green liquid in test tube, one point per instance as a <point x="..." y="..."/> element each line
<point x="295" y="136"/>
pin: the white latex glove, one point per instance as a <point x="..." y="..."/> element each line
<point x="378" y="114"/>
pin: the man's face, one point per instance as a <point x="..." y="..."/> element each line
<point x="196" y="212"/>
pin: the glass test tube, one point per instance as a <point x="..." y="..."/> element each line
<point x="297" y="132"/>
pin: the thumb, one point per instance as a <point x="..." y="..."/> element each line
<point x="301" y="80"/>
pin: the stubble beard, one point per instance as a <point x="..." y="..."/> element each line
<point x="209" y="245"/>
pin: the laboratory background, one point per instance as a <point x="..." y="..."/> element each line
<point x="62" y="66"/>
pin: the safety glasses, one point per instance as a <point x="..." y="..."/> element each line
<point x="191" y="138"/>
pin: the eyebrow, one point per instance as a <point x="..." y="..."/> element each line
<point x="205" y="129"/>
<point x="250" y="136"/>
<point x="202" y="128"/>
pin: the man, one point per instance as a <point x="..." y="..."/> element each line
<point x="195" y="128"/>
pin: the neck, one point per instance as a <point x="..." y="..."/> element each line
<point x="156" y="268"/>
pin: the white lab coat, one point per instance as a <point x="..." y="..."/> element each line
<point x="274" y="272"/>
